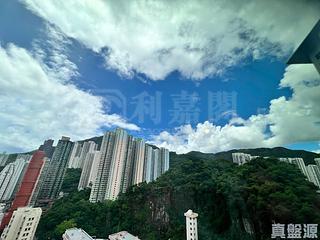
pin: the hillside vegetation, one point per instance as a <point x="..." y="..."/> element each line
<point x="229" y="199"/>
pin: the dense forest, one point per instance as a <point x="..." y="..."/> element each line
<point x="233" y="202"/>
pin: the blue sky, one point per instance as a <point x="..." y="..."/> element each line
<point x="177" y="80"/>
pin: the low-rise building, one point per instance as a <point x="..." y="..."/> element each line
<point x="124" y="235"/>
<point x="76" y="234"/>
<point x="23" y="224"/>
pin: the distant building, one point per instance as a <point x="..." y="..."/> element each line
<point x="241" y="158"/>
<point x="317" y="161"/>
<point x="140" y="146"/>
<point x="99" y="188"/>
<point x="27" y="186"/>
<point x="124" y="161"/>
<point x="298" y="162"/>
<point x="23" y="224"/>
<point x="47" y="148"/>
<point x="76" y="234"/>
<point x="74" y="159"/>
<point x="309" y="50"/>
<point x="191" y="225"/>
<point x="89" y="149"/>
<point x="3" y="159"/>
<point x="3" y="207"/>
<point x="118" y="162"/>
<point x="314" y="174"/>
<point x="53" y="178"/>
<point x="11" y="176"/>
<point x="124" y="235"/>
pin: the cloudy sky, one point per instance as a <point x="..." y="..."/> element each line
<point x="188" y="75"/>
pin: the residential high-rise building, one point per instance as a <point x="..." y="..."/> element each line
<point x="123" y="235"/>
<point x="40" y="181"/>
<point x="191" y="225"/>
<point x="3" y="159"/>
<point x="23" y="224"/>
<point x="56" y="170"/>
<point x="297" y="161"/>
<point x="139" y="161"/>
<point x="27" y="186"/>
<point x="117" y="166"/>
<point x="47" y="148"/>
<point x="164" y="155"/>
<point x="99" y="188"/>
<point x="317" y="161"/>
<point x="314" y="174"/>
<point x="3" y="208"/>
<point x="94" y="169"/>
<point x="157" y="163"/>
<point x="10" y="178"/>
<point x="125" y="161"/>
<point x="76" y="234"/>
<point x="74" y="159"/>
<point x="240" y="158"/>
<point x="129" y="165"/>
<point x="149" y="164"/>
<point x="89" y="149"/>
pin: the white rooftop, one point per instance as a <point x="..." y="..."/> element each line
<point x="191" y="214"/>
<point x="124" y="235"/>
<point x="76" y="234"/>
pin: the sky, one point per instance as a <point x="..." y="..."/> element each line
<point x="188" y="75"/>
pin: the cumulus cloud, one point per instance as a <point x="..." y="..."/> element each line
<point x="196" y="38"/>
<point x="35" y="105"/>
<point x="288" y="121"/>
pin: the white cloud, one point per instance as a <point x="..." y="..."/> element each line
<point x="196" y="38"/>
<point x="288" y="121"/>
<point x="36" y="105"/>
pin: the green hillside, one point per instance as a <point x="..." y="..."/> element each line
<point x="226" y="197"/>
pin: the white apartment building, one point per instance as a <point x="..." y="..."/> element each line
<point x="10" y="177"/>
<point x="23" y="224"/>
<point x="164" y="155"/>
<point x="88" y="154"/>
<point x="139" y="161"/>
<point x="149" y="162"/>
<point x="314" y="174"/>
<point x="74" y="159"/>
<point x="157" y="163"/>
<point x="191" y="225"/>
<point x="123" y="235"/>
<point x="241" y="158"/>
<point x="3" y="159"/>
<point x="299" y="162"/>
<point x="122" y="162"/>
<point x="117" y="164"/>
<point x="317" y="161"/>
<point x="76" y="234"/>
<point x="94" y="169"/>
<point x="99" y="187"/>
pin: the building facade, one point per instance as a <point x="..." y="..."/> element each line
<point x="27" y="186"/>
<point x="99" y="188"/>
<point x="191" y="225"/>
<point x="125" y="161"/>
<point x="47" y="148"/>
<point x="53" y="178"/>
<point x="76" y="234"/>
<point x="23" y="224"/>
<point x="11" y="176"/>
<point x="89" y="151"/>
<point x="123" y="235"/>
<point x="3" y="159"/>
